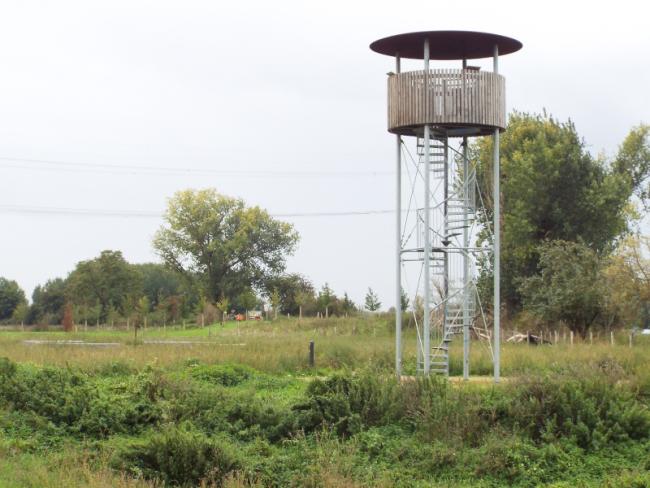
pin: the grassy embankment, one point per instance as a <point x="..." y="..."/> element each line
<point x="245" y="408"/>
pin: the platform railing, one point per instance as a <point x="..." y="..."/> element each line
<point x="446" y="97"/>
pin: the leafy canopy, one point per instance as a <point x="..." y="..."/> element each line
<point x="554" y="189"/>
<point x="223" y="244"/>
<point x="107" y="282"/>
<point x="11" y="296"/>
<point x="569" y="287"/>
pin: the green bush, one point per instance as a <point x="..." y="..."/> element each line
<point x="511" y="460"/>
<point x="222" y="374"/>
<point x="79" y="403"/>
<point x="590" y="410"/>
<point x="178" y="456"/>
<point x="348" y="404"/>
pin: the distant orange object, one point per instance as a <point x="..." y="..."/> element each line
<point x="239" y="317"/>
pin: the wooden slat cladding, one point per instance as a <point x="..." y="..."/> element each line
<point x="454" y="98"/>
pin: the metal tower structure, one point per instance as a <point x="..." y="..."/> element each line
<point x="437" y="221"/>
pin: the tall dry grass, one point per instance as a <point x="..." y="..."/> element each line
<point x="282" y="347"/>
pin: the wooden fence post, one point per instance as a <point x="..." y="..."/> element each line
<point x="571" y="335"/>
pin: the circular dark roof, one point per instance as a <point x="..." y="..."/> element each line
<point x="445" y="45"/>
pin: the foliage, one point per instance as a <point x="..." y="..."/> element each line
<point x="21" y="312"/>
<point x="372" y="302"/>
<point x="178" y="456"/>
<point x="404" y="300"/>
<point x="227" y="246"/>
<point x="569" y="286"/>
<point x="223" y="374"/>
<point x="326" y="299"/>
<point x="158" y="282"/>
<point x="566" y="421"/>
<point x="347" y="305"/>
<point x="11" y="295"/>
<point x="593" y="413"/>
<point x="47" y="302"/>
<point x="553" y="189"/>
<point x="222" y="305"/>
<point x="627" y="277"/>
<point x="633" y="161"/>
<point x="274" y="298"/>
<point x="106" y="281"/>
<point x="143" y="308"/>
<point x="245" y="301"/>
<point x="294" y="291"/>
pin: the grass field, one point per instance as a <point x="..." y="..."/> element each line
<point x="239" y="405"/>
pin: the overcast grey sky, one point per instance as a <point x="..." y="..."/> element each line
<point x="285" y="87"/>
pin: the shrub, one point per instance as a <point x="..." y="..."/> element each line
<point x="347" y="404"/>
<point x="518" y="461"/>
<point x="223" y="374"/>
<point x="592" y="411"/>
<point x="73" y="400"/>
<point x="178" y="456"/>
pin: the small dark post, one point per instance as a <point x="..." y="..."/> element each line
<point x="312" y="359"/>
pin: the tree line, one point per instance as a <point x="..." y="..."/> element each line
<point x="219" y="257"/>
<point x="572" y="251"/>
<point x="108" y="289"/>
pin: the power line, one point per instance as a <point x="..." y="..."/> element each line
<point x="77" y="167"/>
<point x="86" y="212"/>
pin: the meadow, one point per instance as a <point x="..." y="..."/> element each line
<point x="239" y="405"/>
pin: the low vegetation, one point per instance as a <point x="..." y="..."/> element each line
<point x="257" y="415"/>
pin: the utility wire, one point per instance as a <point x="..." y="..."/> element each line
<point x="76" y="167"/>
<point x="26" y="210"/>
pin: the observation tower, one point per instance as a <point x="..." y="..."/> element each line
<point x="443" y="229"/>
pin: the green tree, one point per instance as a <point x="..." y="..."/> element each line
<point x="159" y="282"/>
<point x="553" y="189"/>
<point x="404" y="300"/>
<point x="303" y="300"/>
<point x="633" y="161"/>
<point x="325" y="300"/>
<point x="289" y="286"/>
<point x="106" y="281"/>
<point x="347" y="305"/>
<point x="627" y="277"/>
<point x="222" y="306"/>
<point x="11" y="296"/>
<point x="20" y="313"/>
<point x="276" y="302"/>
<point x="48" y="301"/>
<point x="247" y="300"/>
<point x="569" y="287"/>
<point x="227" y="246"/>
<point x="143" y="309"/>
<point x="372" y="302"/>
